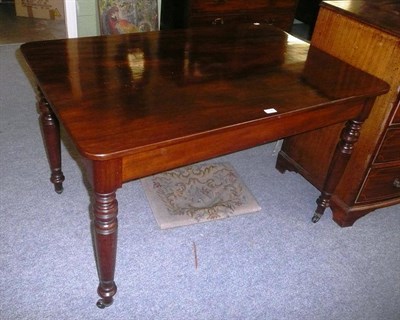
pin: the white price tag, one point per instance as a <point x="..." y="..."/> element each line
<point x="270" y="111"/>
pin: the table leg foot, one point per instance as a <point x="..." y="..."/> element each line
<point x="57" y="179"/>
<point x="316" y="217"/>
<point x="101" y="304"/>
<point x="104" y="303"/>
<point x="106" y="291"/>
<point x="323" y="202"/>
<point x="58" y="189"/>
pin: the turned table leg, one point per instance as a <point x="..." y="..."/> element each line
<point x="51" y="136"/>
<point x="341" y="157"/>
<point x="105" y="179"/>
<point x="105" y="224"/>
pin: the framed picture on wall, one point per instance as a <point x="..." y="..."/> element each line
<point x="127" y="16"/>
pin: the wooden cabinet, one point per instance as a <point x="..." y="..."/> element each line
<point x="194" y="13"/>
<point x="365" y="34"/>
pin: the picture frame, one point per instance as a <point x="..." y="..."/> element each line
<point x="127" y="16"/>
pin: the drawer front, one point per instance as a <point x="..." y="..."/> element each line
<point x="390" y="148"/>
<point x="219" y="6"/>
<point x="381" y="184"/>
<point x="280" y="21"/>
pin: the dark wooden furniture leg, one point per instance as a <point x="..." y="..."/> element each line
<point x="51" y="136"/>
<point x="340" y="158"/>
<point x="105" y="208"/>
<point x="349" y="136"/>
<point x="106" y="178"/>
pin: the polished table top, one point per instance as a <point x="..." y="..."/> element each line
<point x="120" y="95"/>
<point x="139" y="104"/>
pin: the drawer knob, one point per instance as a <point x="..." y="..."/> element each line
<point x="218" y="21"/>
<point x="396" y="183"/>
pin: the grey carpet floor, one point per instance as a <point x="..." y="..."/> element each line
<point x="274" y="264"/>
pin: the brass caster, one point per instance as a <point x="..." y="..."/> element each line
<point x="58" y="188"/>
<point x="316" y="217"/>
<point x="101" y="304"/>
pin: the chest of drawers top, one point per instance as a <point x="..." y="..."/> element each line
<point x="380" y="14"/>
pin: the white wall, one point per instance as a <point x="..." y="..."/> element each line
<point x="71" y="18"/>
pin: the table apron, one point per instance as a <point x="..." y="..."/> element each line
<point x="228" y="140"/>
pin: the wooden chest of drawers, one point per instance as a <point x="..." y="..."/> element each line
<point x="193" y="13"/>
<point x="365" y="34"/>
<point x="383" y="180"/>
<point x="279" y="13"/>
